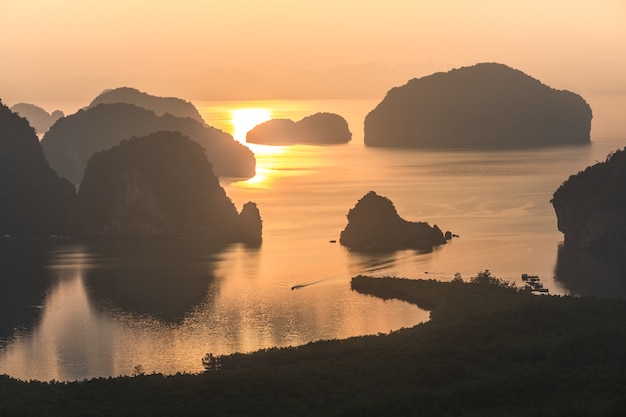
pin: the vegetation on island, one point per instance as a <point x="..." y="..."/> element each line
<point x="489" y="349"/>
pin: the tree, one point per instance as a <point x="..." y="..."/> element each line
<point x="211" y="363"/>
<point x="485" y="278"/>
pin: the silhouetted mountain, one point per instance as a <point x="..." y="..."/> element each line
<point x="72" y="140"/>
<point x="273" y="132"/>
<point x="157" y="185"/>
<point x="38" y="118"/>
<point x="374" y="223"/>
<point x="250" y="224"/>
<point x="33" y="199"/>
<point x="488" y="105"/>
<point x="591" y="205"/>
<point x="159" y="105"/>
<point x="317" y="129"/>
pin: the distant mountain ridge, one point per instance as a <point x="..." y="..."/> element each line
<point x="37" y="117"/>
<point x="34" y="201"/>
<point x="488" y="105"/>
<point x="72" y="140"/>
<point x="159" y="105"/>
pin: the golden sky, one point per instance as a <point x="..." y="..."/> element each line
<point x="67" y="50"/>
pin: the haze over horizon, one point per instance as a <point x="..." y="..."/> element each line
<point x="242" y="49"/>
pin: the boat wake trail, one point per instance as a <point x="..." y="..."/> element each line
<point x="306" y="284"/>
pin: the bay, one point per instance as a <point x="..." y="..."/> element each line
<point x="83" y="310"/>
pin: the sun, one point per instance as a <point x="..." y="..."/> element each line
<point x="245" y="119"/>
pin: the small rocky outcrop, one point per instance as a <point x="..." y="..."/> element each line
<point x="316" y="129"/>
<point x="250" y="224"/>
<point x="374" y="223"/>
<point x="34" y="201"/>
<point x="159" y="105"/>
<point x="71" y="141"/>
<point x="38" y="118"/>
<point x="591" y="205"/>
<point x="484" y="106"/>
<point x="159" y="185"/>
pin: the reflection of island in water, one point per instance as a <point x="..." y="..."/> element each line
<point x="583" y="272"/>
<point x="162" y="278"/>
<point x="23" y="283"/>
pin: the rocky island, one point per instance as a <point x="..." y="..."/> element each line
<point x="374" y="224"/>
<point x="161" y="184"/>
<point x="159" y="105"/>
<point x="317" y="129"/>
<point x="72" y="140"/>
<point x="485" y="106"/>
<point x="34" y="201"/>
<point x="591" y="205"/>
<point x="38" y="118"/>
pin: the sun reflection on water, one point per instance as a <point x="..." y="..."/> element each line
<point x="244" y="119"/>
<point x="272" y="161"/>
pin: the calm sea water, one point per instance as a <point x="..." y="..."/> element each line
<point x="79" y="310"/>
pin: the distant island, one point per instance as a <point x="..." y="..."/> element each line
<point x="374" y="224"/>
<point x="159" y="185"/>
<point x="485" y="106"/>
<point x="159" y="105"/>
<point x="316" y="129"/>
<point x="34" y="201"/>
<point x="37" y="117"/>
<point x="591" y="206"/>
<point x="72" y="140"/>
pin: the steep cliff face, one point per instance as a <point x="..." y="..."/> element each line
<point x="33" y="199"/>
<point x="316" y="129"/>
<point x="488" y="105"/>
<point x="374" y="223"/>
<point x="591" y="205"/>
<point x="72" y="140"/>
<point x="158" y="185"/>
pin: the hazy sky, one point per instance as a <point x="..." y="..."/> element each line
<point x="70" y="50"/>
